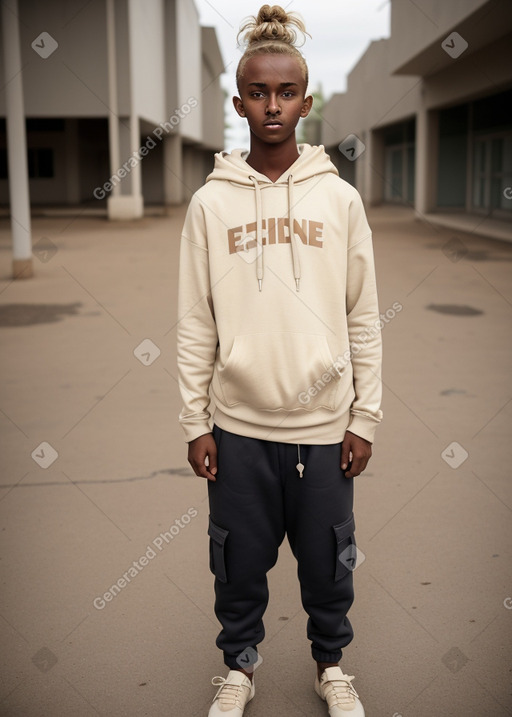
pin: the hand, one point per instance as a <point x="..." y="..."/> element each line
<point x="198" y="450"/>
<point x="357" y="450"/>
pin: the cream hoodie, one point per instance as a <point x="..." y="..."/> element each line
<point x="279" y="327"/>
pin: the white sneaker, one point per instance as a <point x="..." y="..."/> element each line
<point x="233" y="694"/>
<point x="336" y="689"/>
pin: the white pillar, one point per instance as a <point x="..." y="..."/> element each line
<point x="16" y="144"/>
<point x="173" y="169"/>
<point x="129" y="205"/>
<point x="134" y="147"/>
<point x="426" y="161"/>
<point x="137" y="206"/>
<point x="113" y="124"/>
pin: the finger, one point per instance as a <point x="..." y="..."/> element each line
<point x="203" y="471"/>
<point x="198" y="468"/>
<point x="212" y="459"/>
<point x="345" y="454"/>
<point x="357" y="467"/>
<point x="198" y="464"/>
<point x="208" y="471"/>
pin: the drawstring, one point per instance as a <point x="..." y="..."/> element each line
<point x="293" y="238"/>
<point x="259" y="234"/>
<point x="300" y="466"/>
<point x="259" y="240"/>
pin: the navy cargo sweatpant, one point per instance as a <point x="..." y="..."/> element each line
<point x="259" y="497"/>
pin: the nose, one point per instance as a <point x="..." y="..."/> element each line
<point x="273" y="105"/>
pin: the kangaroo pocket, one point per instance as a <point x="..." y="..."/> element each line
<point x="280" y="370"/>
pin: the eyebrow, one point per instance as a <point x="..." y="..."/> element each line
<point x="282" y="84"/>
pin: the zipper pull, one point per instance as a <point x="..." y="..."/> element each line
<point x="300" y="466"/>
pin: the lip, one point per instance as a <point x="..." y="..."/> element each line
<point x="273" y="123"/>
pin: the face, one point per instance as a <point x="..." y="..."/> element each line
<point x="272" y="97"/>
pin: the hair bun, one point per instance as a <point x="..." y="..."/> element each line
<point x="269" y="13"/>
<point x="272" y="23"/>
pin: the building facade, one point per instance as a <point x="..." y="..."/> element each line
<point x="122" y="103"/>
<point x="424" y="121"/>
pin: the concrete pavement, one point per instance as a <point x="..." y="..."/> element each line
<point x="118" y="506"/>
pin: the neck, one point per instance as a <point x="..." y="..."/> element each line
<point x="272" y="159"/>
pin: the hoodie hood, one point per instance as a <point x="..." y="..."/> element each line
<point x="233" y="167"/>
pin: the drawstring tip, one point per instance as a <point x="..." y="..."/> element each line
<point x="260" y="281"/>
<point x="297" y="284"/>
<point x="300" y="465"/>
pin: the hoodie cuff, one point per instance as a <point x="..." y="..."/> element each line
<point x="194" y="430"/>
<point x="363" y="427"/>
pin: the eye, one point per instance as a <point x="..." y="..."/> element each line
<point x="288" y="93"/>
<point x="257" y="94"/>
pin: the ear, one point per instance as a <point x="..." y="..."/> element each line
<point x="306" y="106"/>
<point x="238" y="105"/>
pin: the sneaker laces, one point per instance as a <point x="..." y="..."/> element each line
<point x="341" y="691"/>
<point x="228" y="693"/>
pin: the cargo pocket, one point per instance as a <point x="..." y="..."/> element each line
<point x="346" y="552"/>
<point x="217" y="544"/>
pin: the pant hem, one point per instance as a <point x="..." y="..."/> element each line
<point x="233" y="662"/>
<point x="326" y="656"/>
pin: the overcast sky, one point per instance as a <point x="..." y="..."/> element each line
<point x="341" y="31"/>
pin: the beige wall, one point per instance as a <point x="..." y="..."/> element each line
<point x="166" y="46"/>
<point x="188" y="43"/>
<point x="212" y="96"/>
<point x="163" y="57"/>
<point x="374" y="98"/>
<point x="485" y="71"/>
<point x="72" y="81"/>
<point x="418" y="36"/>
<point x="377" y="96"/>
<point x="419" y="24"/>
<point x="147" y="53"/>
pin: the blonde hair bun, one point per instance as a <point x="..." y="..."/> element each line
<point x="273" y="31"/>
<point x="275" y="24"/>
